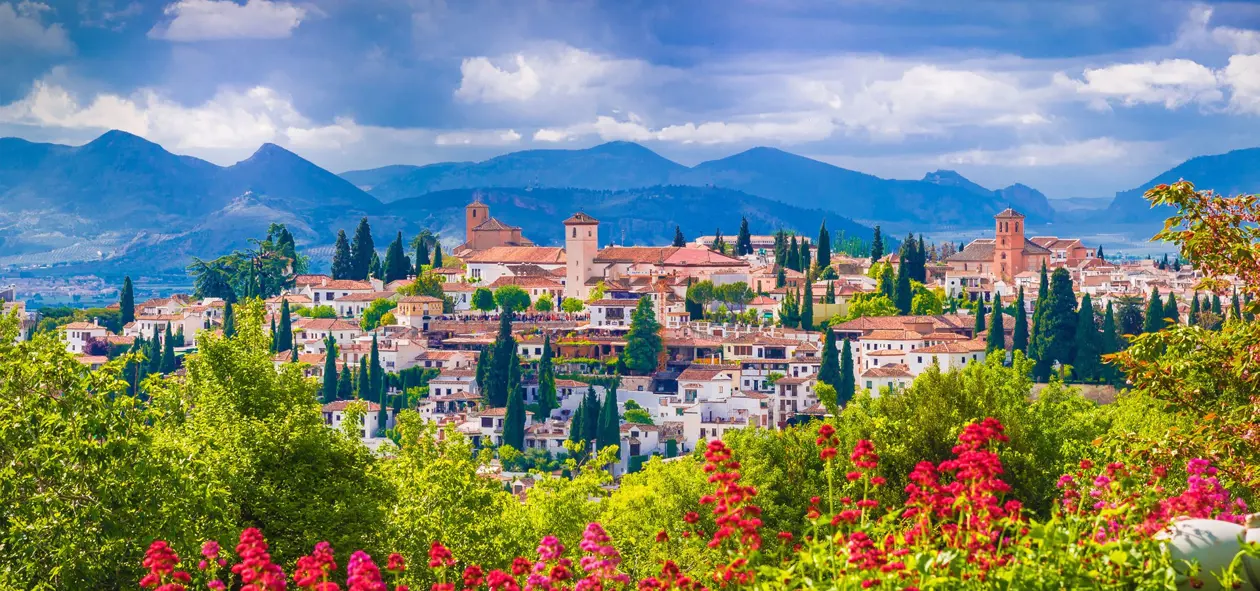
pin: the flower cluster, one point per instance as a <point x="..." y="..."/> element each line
<point x="255" y="569"/>
<point x="162" y="561"/>
<point x="736" y="519"/>
<point x="313" y="570"/>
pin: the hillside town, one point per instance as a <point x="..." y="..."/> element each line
<point x="688" y="340"/>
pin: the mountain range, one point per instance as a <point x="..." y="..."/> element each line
<point x="765" y="172"/>
<point x="123" y="204"/>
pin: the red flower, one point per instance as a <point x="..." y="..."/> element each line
<point x="662" y="537"/>
<point x="396" y="564"/>
<point x="439" y="556"/>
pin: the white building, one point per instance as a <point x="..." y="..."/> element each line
<point x="78" y="334"/>
<point x="335" y="413"/>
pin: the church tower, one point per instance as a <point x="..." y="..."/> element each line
<point x="476" y="213"/>
<point x="1008" y="249"/>
<point x="581" y="244"/>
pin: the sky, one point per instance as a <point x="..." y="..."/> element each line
<point x="1076" y="99"/>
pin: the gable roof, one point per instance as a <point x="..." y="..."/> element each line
<point x="540" y="255"/>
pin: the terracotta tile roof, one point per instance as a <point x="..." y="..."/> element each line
<point x="705" y="372"/>
<point x="345" y="285"/>
<point x="895" y="370"/>
<point x="1054" y="242"/>
<point x="324" y="324"/>
<point x="341" y="405"/>
<point x="82" y="326"/>
<point x="624" y="303"/>
<point x="580" y="219"/>
<point x="888" y="353"/>
<point x="569" y="384"/>
<point x="892" y="334"/>
<point x="526" y="281"/>
<point x="971" y="346"/>
<point x="980" y="250"/>
<point x="370" y="296"/>
<point x="92" y="359"/>
<point x="793" y="381"/>
<point x="115" y="339"/>
<point x="763" y="301"/>
<point x="541" y="255"/>
<point x="639" y="426"/>
<point x="419" y="300"/>
<point x="293" y="298"/>
<point x="634" y="254"/>
<point x="304" y="280"/>
<point x="494" y="412"/>
<point x="495" y="224"/>
<point x="1009" y="213"/>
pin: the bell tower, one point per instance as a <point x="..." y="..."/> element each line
<point x="476" y="213"/>
<point x="581" y="244"/>
<point x="1008" y="249"/>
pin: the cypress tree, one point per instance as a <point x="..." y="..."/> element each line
<point x="807" y="308"/>
<point x="284" y="338"/>
<point x="1193" y="319"/>
<point x="719" y="243"/>
<point x="1216" y="305"/>
<point x="981" y="322"/>
<point x="829" y="366"/>
<point x="293" y="351"/>
<point x="437" y="256"/>
<point x="345" y="384"/>
<point x="503" y="357"/>
<point x="422" y="255"/>
<point x="361" y="251"/>
<point x="848" y="383"/>
<point x="575" y="425"/>
<point x="1235" y="310"/>
<point x="780" y="277"/>
<point x="273" y="334"/>
<point x="609" y="421"/>
<point x="396" y="266"/>
<point x="1171" y="312"/>
<point x="1154" y="313"/>
<point x="780" y="248"/>
<point x="547" y="401"/>
<point x="830" y="296"/>
<point x="127" y="302"/>
<point x="920" y="261"/>
<point x="793" y="255"/>
<point x="679" y="240"/>
<point x="1088" y="343"/>
<point x="343" y="261"/>
<point x="824" y="246"/>
<point x="904" y="294"/>
<point x="887" y="287"/>
<point x="743" y="241"/>
<point x="1100" y="255"/>
<point x="1019" y="337"/>
<point x="997" y="329"/>
<point x="382" y="416"/>
<point x="877" y="246"/>
<point x="643" y="341"/>
<point x="1043" y="292"/>
<point x="514" y="420"/>
<point x="483" y="370"/>
<point x="168" y="352"/>
<point x="1056" y="329"/>
<point x="363" y="385"/>
<point x="376" y="376"/>
<point x="154" y="354"/>
<point x="1248" y="315"/>
<point x="229" y="320"/>
<point x="376" y="270"/>
<point x="1110" y="343"/>
<point x="400" y="397"/>
<point x="590" y="416"/>
<point x="806" y="265"/>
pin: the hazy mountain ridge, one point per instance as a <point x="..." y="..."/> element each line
<point x="1230" y="173"/>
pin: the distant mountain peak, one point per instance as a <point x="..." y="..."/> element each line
<point x="951" y="178"/>
<point x="116" y="139"/>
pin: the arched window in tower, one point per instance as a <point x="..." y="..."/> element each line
<point x="575" y="232"/>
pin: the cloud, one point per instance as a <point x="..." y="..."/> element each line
<point x="22" y="27"/>
<point x="785" y="130"/>
<point x="489" y="137"/>
<point x="1242" y="75"/>
<point x="1195" y="33"/>
<point x="1087" y="152"/>
<point x="202" y="20"/>
<point x="230" y="119"/>
<point x="1172" y="83"/>
<point x="549" y="72"/>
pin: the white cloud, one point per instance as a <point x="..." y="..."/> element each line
<point x="489" y="137"/>
<point x="1195" y="33"/>
<point x="1242" y="75"/>
<point x="779" y="129"/>
<point x="1172" y="83"/>
<point x="201" y="20"/>
<point x="1087" y="152"/>
<point x="549" y="72"/>
<point x="230" y="119"/>
<point x="22" y="26"/>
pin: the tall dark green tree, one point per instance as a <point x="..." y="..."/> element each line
<point x="829" y="366"/>
<point x="514" y="419"/>
<point x="229" y="320"/>
<point x="996" y="343"/>
<point x="877" y="246"/>
<point x="805" y="262"/>
<point x="483" y="369"/>
<point x="743" y="240"/>
<point x="793" y="255"/>
<point x="1216" y="305"/>
<point x="1089" y="347"/>
<point x="643" y="341"/>
<point x="780" y="247"/>
<point x="982" y="323"/>
<point x="887" y="285"/>
<point x="503" y="358"/>
<point x="376" y="374"/>
<point x="127" y="303"/>
<point x="1043" y="295"/>
<point x="343" y="260"/>
<point x="1109" y="342"/>
<point x="437" y="256"/>
<point x="609" y="432"/>
<point x="904" y="293"/>
<point x="273" y="334"/>
<point x="328" y="390"/>
<point x="789" y="310"/>
<point x="848" y="383"/>
<point x="1171" y="312"/>
<point x="284" y="331"/>
<point x="679" y="240"/>
<point x="345" y="383"/>
<point x="824" y="246"/>
<point x="422" y="255"/>
<point x="719" y="243"/>
<point x="363" y="383"/>
<point x="547" y="400"/>
<point x="1154" y="313"/>
<point x="780" y="277"/>
<point x="830" y="296"/>
<point x="376" y="270"/>
<point x="396" y="265"/>
<point x="807" y="307"/>
<point x="576" y="430"/>
<point x="920" y="261"/>
<point x="382" y="408"/>
<point x="168" y="352"/>
<point x="1019" y="336"/>
<point x="1056" y="329"/>
<point x="1193" y="318"/>
<point x="1235" y="309"/>
<point x="361" y="251"/>
<point x="590" y="416"/>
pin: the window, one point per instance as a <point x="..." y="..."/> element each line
<point x="868" y="384"/>
<point x="575" y="232"/>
